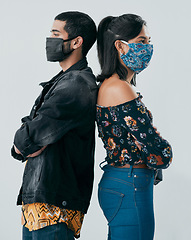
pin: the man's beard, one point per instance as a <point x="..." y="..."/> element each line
<point x="67" y="51"/>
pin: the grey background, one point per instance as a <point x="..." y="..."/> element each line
<point x="165" y="86"/>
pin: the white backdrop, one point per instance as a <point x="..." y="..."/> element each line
<point x="165" y="86"/>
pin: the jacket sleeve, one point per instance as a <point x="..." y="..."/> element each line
<point x="61" y="112"/>
<point x="155" y="151"/>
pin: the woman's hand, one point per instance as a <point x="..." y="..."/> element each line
<point x="157" y="131"/>
<point x="136" y="142"/>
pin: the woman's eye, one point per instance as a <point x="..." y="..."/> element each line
<point x="145" y="42"/>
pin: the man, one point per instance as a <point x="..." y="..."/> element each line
<point x="57" y="138"/>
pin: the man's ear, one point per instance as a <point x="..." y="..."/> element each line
<point x="77" y="42"/>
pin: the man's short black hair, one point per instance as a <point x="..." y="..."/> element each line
<point x="79" y="24"/>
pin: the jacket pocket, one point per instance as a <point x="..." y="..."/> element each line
<point x="32" y="174"/>
<point x="110" y="202"/>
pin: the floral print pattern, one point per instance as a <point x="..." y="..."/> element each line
<point x="122" y="126"/>
<point x="111" y="143"/>
<point x="131" y="123"/>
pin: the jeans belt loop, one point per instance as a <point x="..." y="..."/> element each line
<point x="130" y="171"/>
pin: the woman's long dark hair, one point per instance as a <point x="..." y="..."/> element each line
<point x="110" y="29"/>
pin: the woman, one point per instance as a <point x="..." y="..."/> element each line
<point x="135" y="149"/>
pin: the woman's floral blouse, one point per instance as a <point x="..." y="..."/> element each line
<point x="120" y="126"/>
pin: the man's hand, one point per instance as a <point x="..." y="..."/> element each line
<point x="37" y="152"/>
<point x="17" y="150"/>
<point x="32" y="154"/>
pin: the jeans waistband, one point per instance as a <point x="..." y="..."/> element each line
<point x="128" y="171"/>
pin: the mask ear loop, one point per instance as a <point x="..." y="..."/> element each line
<point x="123" y="41"/>
<point x="69" y="39"/>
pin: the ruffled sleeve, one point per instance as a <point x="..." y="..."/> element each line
<point x="137" y="120"/>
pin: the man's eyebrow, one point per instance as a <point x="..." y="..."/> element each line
<point x="54" y="30"/>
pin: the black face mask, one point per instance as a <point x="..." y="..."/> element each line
<point x="55" y="51"/>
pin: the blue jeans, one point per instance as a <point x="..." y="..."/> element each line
<point x="58" y="231"/>
<point x="126" y="198"/>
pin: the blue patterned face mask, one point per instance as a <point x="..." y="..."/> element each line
<point x="138" y="56"/>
